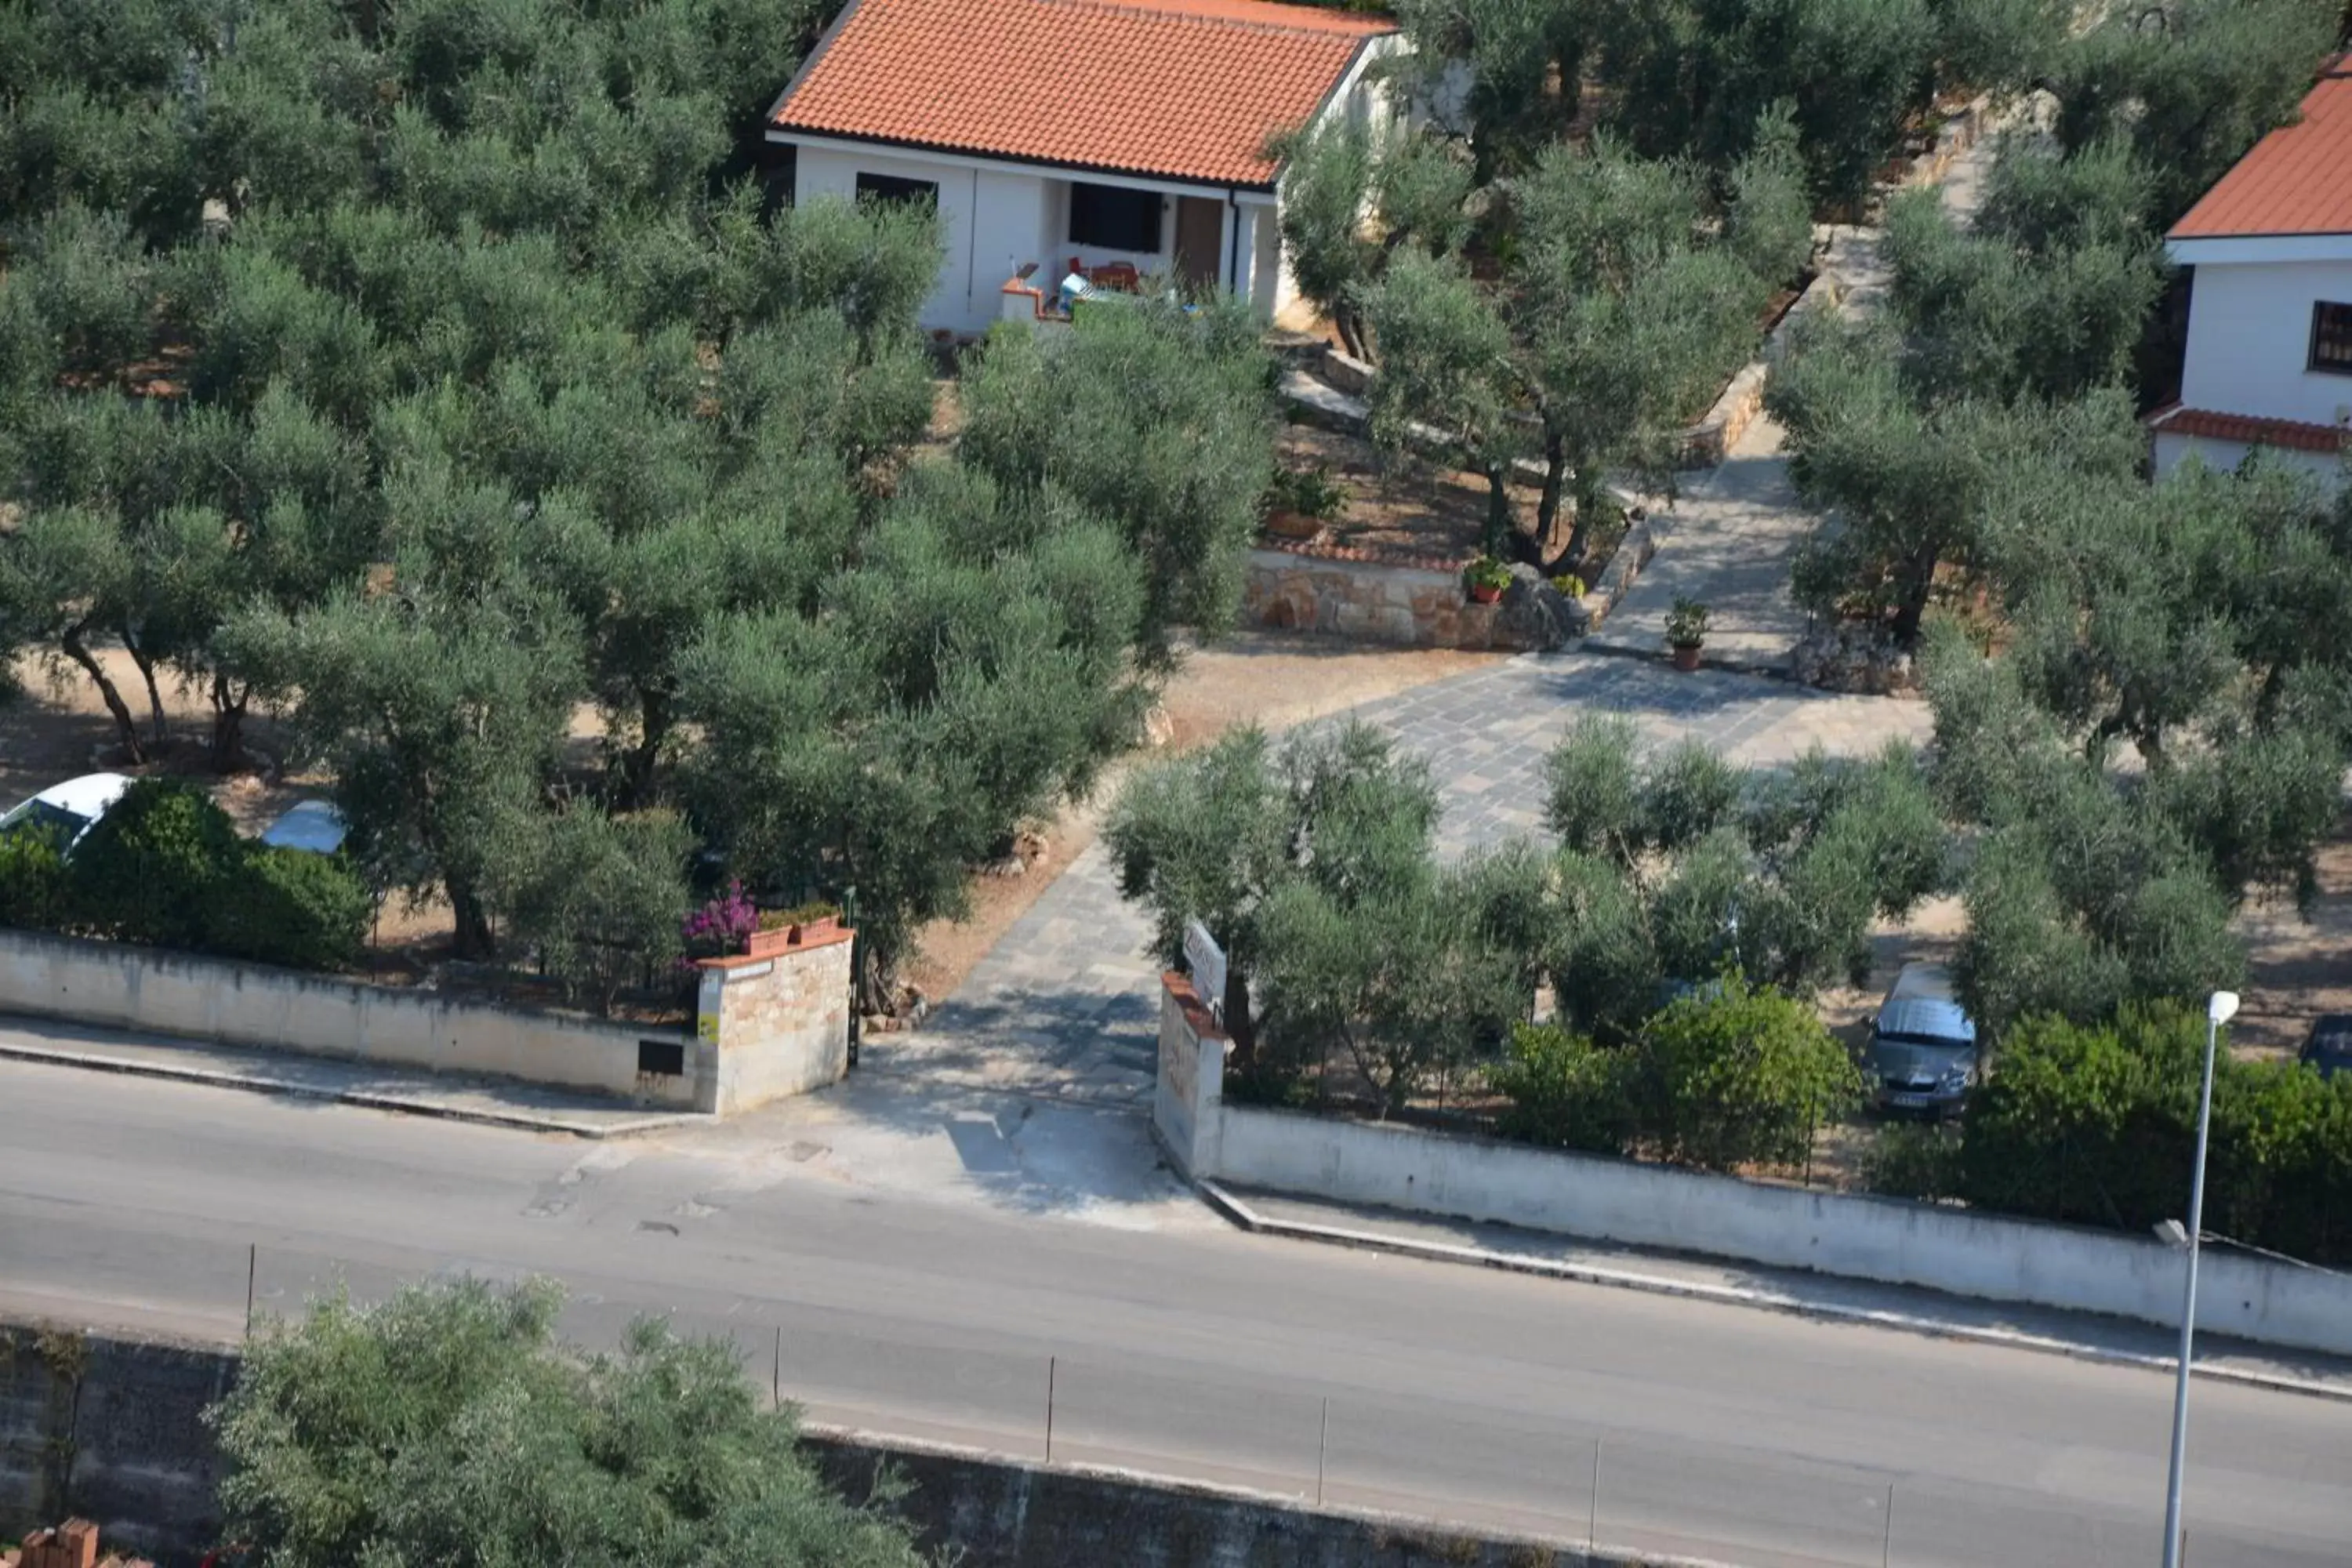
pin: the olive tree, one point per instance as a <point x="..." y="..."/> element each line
<point x="451" y="1424"/>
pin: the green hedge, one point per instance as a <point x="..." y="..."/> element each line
<point x="1731" y="1077"/>
<point x="2098" y="1124"/>
<point x="166" y="868"/>
<point x="33" y="879"/>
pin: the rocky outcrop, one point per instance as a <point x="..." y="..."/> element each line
<point x="1854" y="658"/>
<point x="1534" y="614"/>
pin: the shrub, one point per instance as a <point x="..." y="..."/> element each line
<point x="603" y="898"/>
<point x="166" y="868"/>
<point x="1593" y="786"/>
<point x="1914" y="1162"/>
<point x="1309" y="492"/>
<point x="158" y="867"/>
<point x="2083" y="1122"/>
<point x="2098" y="1124"/>
<point x="294" y="907"/>
<point x="33" y="893"/>
<point x="1565" y="1091"/>
<point x="1737" y="1075"/>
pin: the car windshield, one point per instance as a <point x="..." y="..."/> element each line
<point x="36" y="814"/>
<point x="1932" y="1042"/>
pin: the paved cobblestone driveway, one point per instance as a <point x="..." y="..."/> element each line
<point x="1065" y="1005"/>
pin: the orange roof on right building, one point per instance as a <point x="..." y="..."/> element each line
<point x="2297" y="180"/>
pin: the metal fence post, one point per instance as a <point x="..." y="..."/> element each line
<point x="856" y="967"/>
<point x="252" y="1267"/>
<point x="1592" y="1517"/>
<point x="1886" y="1542"/>
<point x="1322" y="1444"/>
<point x="1050" y="1362"/>
<point x="776" y="1382"/>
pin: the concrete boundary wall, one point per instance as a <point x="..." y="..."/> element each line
<point x="149" y="990"/>
<point x="1885" y="1239"/>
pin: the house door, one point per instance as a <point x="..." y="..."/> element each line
<point x="1200" y="237"/>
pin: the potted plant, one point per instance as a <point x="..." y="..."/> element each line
<point x="1300" y="502"/>
<point x="1686" y="632"/>
<point x="1485" y="579"/>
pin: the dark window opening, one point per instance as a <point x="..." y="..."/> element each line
<point x="661" y="1058"/>
<point x="1115" y="218"/>
<point x="2331" y="338"/>
<point x="891" y="188"/>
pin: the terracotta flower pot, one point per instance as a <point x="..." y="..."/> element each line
<point x="1483" y="592"/>
<point x="1686" y="657"/>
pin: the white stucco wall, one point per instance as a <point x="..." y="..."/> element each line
<point x="1885" y="1239"/>
<point x="153" y="991"/>
<point x="2250" y="340"/>
<point x="968" y="230"/>
<point x="1011" y="218"/>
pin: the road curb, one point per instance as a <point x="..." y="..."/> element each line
<point x="366" y="1099"/>
<point x="1240" y="1214"/>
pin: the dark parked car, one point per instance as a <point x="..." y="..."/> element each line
<point x="2328" y="1046"/>
<point x="1922" y="1054"/>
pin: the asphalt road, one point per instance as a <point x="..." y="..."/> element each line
<point x="1477" y="1396"/>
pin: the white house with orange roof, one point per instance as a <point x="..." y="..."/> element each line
<point x="2270" y="318"/>
<point x="1114" y="138"/>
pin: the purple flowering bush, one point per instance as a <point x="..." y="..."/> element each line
<point x="721" y="927"/>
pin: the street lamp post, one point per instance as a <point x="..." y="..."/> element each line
<point x="2219" y="1010"/>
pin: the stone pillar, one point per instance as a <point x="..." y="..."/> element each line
<point x="777" y="1018"/>
<point x="1188" y="1098"/>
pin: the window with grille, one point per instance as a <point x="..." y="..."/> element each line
<point x="2331" y="338"/>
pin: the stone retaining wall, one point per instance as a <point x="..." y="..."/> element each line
<point x="110" y="1429"/>
<point x="1359" y="595"/>
<point x="1370" y="600"/>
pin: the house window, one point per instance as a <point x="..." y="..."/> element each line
<point x="891" y="188"/>
<point x="1115" y="218"/>
<point x="2331" y="338"/>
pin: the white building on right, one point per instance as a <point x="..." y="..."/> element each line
<point x="2270" y="318"/>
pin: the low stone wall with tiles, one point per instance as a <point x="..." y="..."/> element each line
<point x="1355" y="594"/>
<point x="777" y="1018"/>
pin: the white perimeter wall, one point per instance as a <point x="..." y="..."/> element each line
<point x="153" y="991"/>
<point x="1884" y="1239"/>
<point x="2250" y="340"/>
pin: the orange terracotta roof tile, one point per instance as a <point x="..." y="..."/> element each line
<point x="2297" y="180"/>
<point x="1183" y="89"/>
<point x="2247" y="431"/>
